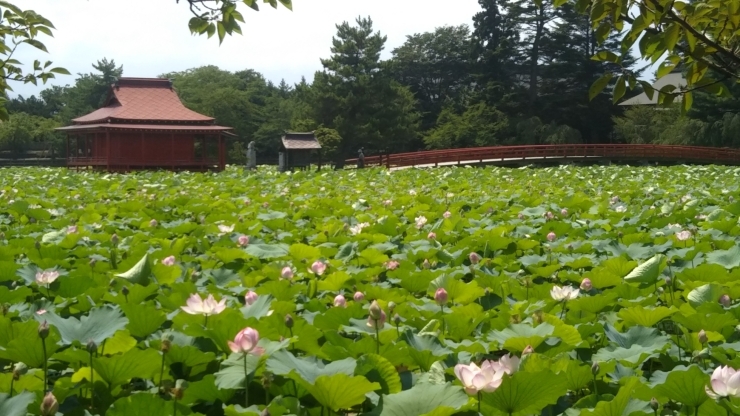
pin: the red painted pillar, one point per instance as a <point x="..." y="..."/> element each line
<point x="108" y="150"/>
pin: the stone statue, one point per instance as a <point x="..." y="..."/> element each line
<point x="251" y="156"/>
<point x="361" y="158"/>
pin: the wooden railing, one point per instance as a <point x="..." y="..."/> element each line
<point x="543" y="153"/>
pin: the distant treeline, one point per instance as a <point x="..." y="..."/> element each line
<point x="520" y="75"/>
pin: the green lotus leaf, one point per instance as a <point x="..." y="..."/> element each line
<point x="16" y="405"/>
<point x="308" y="369"/>
<point x="379" y="370"/>
<point x="647" y="272"/>
<point x="340" y="391"/>
<point x="518" y="336"/>
<point x="268" y="251"/>
<point x="143" y="319"/>
<point x="526" y="393"/>
<point x="618" y="405"/>
<point x="728" y="259"/>
<point x="646" y="317"/>
<point x="423" y="399"/>
<point x="98" y="325"/>
<point x="708" y="293"/>
<point x="141" y="404"/>
<point x="120" y="369"/>
<point x="682" y="384"/>
<point x="139" y="273"/>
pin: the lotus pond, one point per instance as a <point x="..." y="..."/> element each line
<point x="593" y="290"/>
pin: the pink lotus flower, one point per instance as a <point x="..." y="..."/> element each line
<point x="72" y="229"/>
<point x="683" y="235"/>
<point x="250" y="297"/>
<point x="318" y="267"/>
<point x="440" y="296"/>
<point x="420" y="221"/>
<point x="243" y="240"/>
<point x="340" y="301"/>
<point x="245" y="342"/>
<point x="564" y="293"/>
<point x="488" y="376"/>
<point x="208" y="306"/>
<point x="447" y="214"/>
<point x="725" y="301"/>
<point x="168" y="261"/>
<point x="551" y="236"/>
<point x="564" y="212"/>
<point x="225" y="229"/>
<point x="586" y="285"/>
<point x="476" y="379"/>
<point x="392" y="265"/>
<point x="153" y="223"/>
<point x="286" y="272"/>
<point x="359" y="296"/>
<point x="725" y="382"/>
<point x="474" y="258"/>
<point x="46" y="277"/>
<point x="432" y="235"/>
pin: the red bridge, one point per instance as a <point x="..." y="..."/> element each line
<point x="557" y="154"/>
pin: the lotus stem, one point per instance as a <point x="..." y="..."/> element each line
<point x="377" y="338"/>
<point x="92" y="382"/>
<point x="246" y="383"/>
<point x="43" y="346"/>
<point x="596" y="389"/>
<point x="161" y="370"/>
<point x="442" y="318"/>
<point x="48" y="292"/>
<point x="205" y="321"/>
<point x="479" y="400"/>
<point x="174" y="407"/>
<point x="565" y="303"/>
<point x="12" y="379"/>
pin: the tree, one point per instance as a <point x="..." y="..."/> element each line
<point x="567" y="73"/>
<point x="221" y="17"/>
<point x="87" y="94"/>
<point x="20" y="28"/>
<point x="355" y="95"/>
<point x="436" y="66"/>
<point x="479" y="125"/>
<point x="698" y="35"/>
<point x="22" y="129"/>
<point x="495" y="40"/>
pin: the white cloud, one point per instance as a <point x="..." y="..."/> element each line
<point x="151" y="37"/>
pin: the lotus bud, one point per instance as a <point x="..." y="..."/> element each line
<point x="660" y="290"/>
<point x="19" y="369"/>
<point x="50" y="405"/>
<point x="91" y="346"/>
<point x="426" y="264"/>
<point x="286" y="272"/>
<point x="391" y="306"/>
<point x="359" y="296"/>
<point x="125" y="291"/>
<point x="289" y="321"/>
<point x="2" y="236"/>
<point x="595" y="368"/>
<point x="440" y="296"/>
<point x="43" y="330"/>
<point x="703" y="337"/>
<point x="619" y="234"/>
<point x="725" y="301"/>
<point x="340" y="301"/>
<point x="528" y="350"/>
<point x="153" y="223"/>
<point x="537" y="316"/>
<point x="564" y="212"/>
<point x="250" y="297"/>
<point x="267" y="380"/>
<point x="93" y="262"/>
<point x="474" y="258"/>
<point x="114" y="239"/>
<point x="265" y="412"/>
<point x="654" y="404"/>
<point x="668" y="280"/>
<point x="396" y="319"/>
<point x="586" y="285"/>
<point x="375" y="310"/>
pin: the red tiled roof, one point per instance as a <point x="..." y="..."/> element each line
<point x="143" y="100"/>
<point x="300" y="141"/>
<point x="165" y="127"/>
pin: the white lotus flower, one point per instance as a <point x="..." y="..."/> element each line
<point x="564" y="293"/>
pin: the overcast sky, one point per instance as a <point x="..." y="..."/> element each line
<point x="151" y="37"/>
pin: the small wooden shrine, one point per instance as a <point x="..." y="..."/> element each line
<point x="297" y="150"/>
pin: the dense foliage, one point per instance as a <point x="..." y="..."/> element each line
<point x="370" y="292"/>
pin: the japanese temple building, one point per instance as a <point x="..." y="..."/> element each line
<point x="144" y="125"/>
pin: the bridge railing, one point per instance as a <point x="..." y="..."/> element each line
<point x="543" y="152"/>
